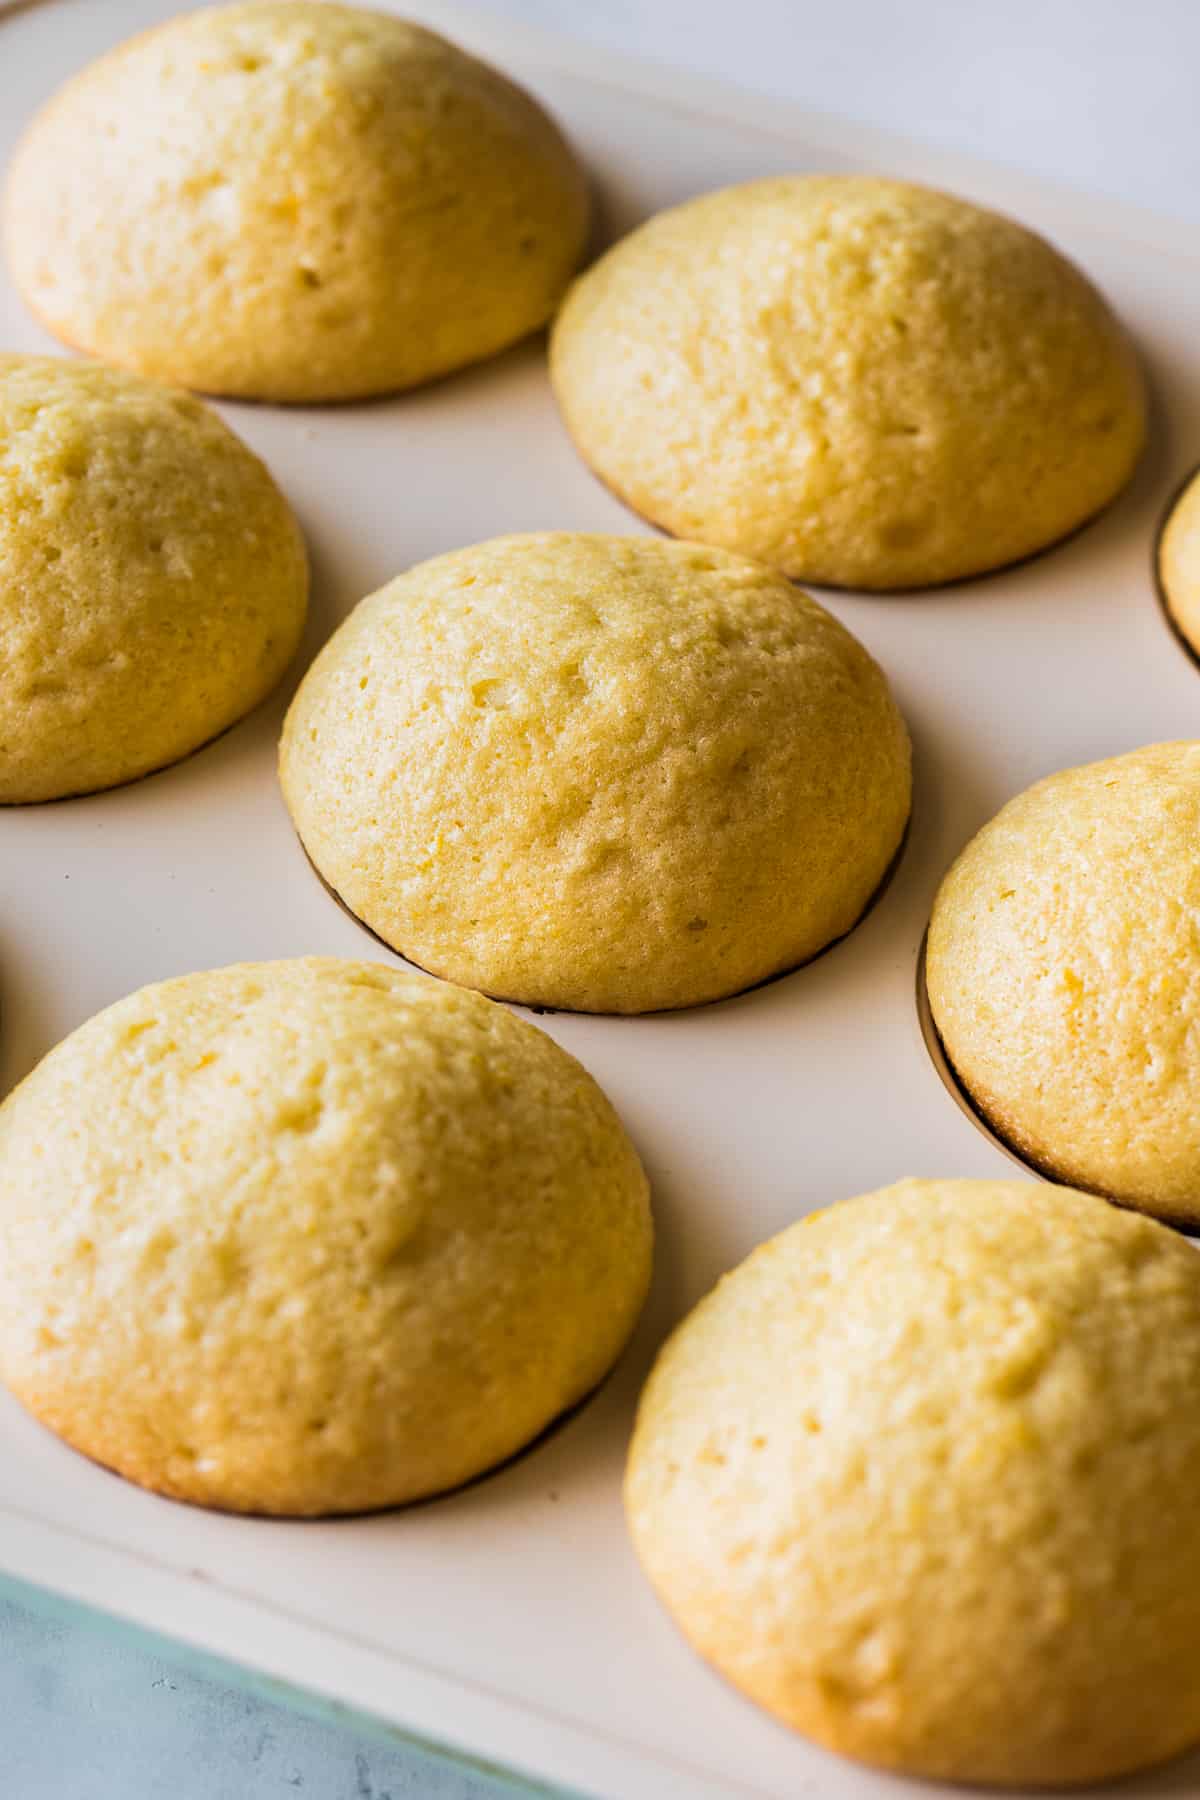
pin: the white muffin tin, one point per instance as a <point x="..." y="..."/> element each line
<point x="509" y="1622"/>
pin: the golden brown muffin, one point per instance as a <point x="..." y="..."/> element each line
<point x="859" y="381"/>
<point x="293" y="201"/>
<point x="604" y="773"/>
<point x="920" y="1477"/>
<point x="153" y="582"/>
<point x="1063" y="971"/>
<point x="1179" y="564"/>
<point x="312" y="1237"/>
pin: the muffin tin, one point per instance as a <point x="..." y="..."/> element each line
<point x="509" y="1621"/>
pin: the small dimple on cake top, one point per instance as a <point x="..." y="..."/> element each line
<point x="863" y="382"/>
<point x="312" y="1237"/>
<point x="612" y="774"/>
<point x="293" y="201"/>
<point x="1063" y="971"/>
<point x="919" y="1476"/>
<point x="153" y="582"/>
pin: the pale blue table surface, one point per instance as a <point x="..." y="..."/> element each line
<point x="94" y="1711"/>
<point x="1098" y="95"/>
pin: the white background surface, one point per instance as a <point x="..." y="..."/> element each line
<point x="1101" y="93"/>
<point x="1096" y="92"/>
